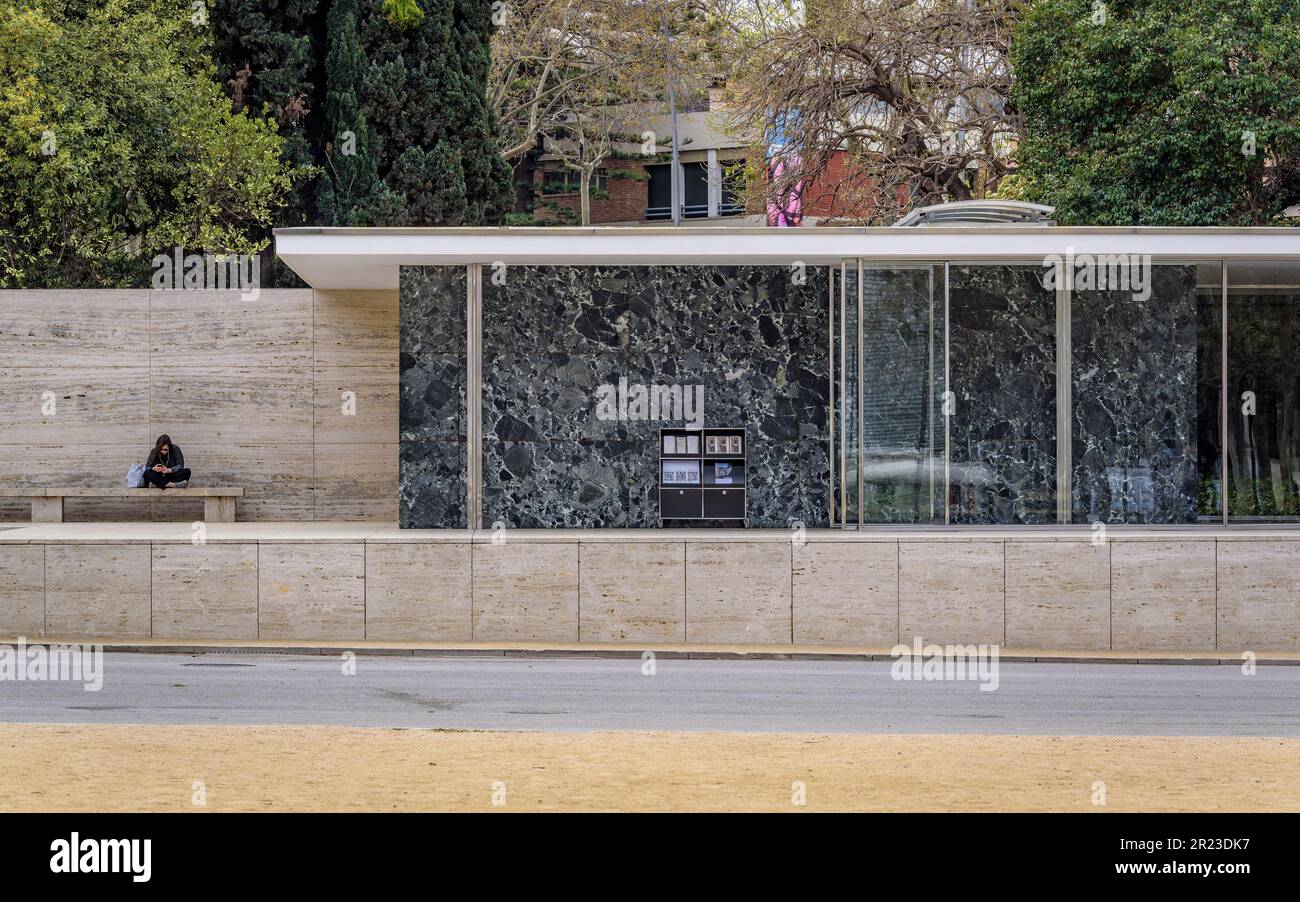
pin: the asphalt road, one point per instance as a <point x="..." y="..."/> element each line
<point x="564" y="694"/>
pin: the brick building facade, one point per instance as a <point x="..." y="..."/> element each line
<point x="619" y="194"/>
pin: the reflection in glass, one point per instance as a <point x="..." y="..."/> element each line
<point x="1209" y="395"/>
<point x="1002" y="367"/>
<point x="1263" y="390"/>
<point x="902" y="366"/>
<point x="1146" y="441"/>
<point x="1134" y="399"/>
<point x="849" y="422"/>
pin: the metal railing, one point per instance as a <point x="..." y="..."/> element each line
<point x="692" y="211"/>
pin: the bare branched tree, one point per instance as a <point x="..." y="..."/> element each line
<point x="536" y="56"/>
<point x="915" y="93"/>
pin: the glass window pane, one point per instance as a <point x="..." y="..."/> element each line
<point x="902" y="435"/>
<point x="1209" y="397"/>
<point x="849" y="409"/>
<point x="833" y="393"/>
<point x="695" y="189"/>
<point x="1133" y="392"/>
<point x="1263" y="391"/>
<point x="1002" y="366"/>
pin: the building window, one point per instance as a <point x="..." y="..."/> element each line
<point x="659" y="194"/>
<point x="1133" y="417"/>
<point x="901" y="420"/>
<point x="1002" y="373"/>
<point x="1263" y="402"/>
<point x="733" y="188"/>
<point x="1209" y="396"/>
<point x="695" y="188"/>
<point x="567" y="181"/>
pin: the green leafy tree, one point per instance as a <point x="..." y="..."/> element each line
<point x="117" y="142"/>
<point x="404" y="13"/>
<point x="1160" y="112"/>
<point x="430" y="186"/>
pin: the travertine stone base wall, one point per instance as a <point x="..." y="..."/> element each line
<point x="632" y="592"/>
<point x="22" y="589"/>
<point x="401" y="603"/>
<point x="1258" y="598"/>
<point x="316" y="590"/>
<point x="98" y="590"/>
<point x="527" y="591"/>
<point x="845" y="589"/>
<point x="952" y="592"/>
<point x="1058" y="595"/>
<point x="1198" y="591"/>
<point x="205" y="591"/>
<point x="738" y="592"/>
<point x="1163" y="596"/>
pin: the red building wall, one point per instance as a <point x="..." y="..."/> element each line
<point x="834" y="194"/>
<point x="838" y="191"/>
<point x="626" y="201"/>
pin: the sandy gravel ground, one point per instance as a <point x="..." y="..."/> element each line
<point x="50" y="767"/>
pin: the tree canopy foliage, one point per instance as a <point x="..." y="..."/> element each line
<point x="423" y="96"/>
<point x="116" y="141"/>
<point x="1160" y="112"/>
<point x="131" y="126"/>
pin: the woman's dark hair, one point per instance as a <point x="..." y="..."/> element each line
<point x="157" y="450"/>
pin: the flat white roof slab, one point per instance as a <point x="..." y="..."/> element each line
<point x="329" y="532"/>
<point x="370" y="258"/>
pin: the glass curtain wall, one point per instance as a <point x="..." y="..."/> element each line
<point x="902" y="433"/>
<point x="1263" y="397"/>
<point x="1002" y="373"/>
<point x="850" y="391"/>
<point x="1134" y="391"/>
<point x="1209" y="393"/>
<point x="948" y="393"/>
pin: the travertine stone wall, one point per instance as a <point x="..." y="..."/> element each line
<point x="251" y="388"/>
<point x="1202" y="592"/>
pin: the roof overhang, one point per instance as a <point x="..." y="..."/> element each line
<point x="370" y="258"/>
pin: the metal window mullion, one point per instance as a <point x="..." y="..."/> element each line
<point x="929" y="367"/>
<point x="1064" y="404"/>
<point x="1223" y="393"/>
<point x="843" y="419"/>
<point x="862" y="455"/>
<point x="830" y="392"/>
<point x="950" y="397"/>
<point x="473" y="395"/>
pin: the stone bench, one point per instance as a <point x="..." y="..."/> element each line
<point x="47" y="503"/>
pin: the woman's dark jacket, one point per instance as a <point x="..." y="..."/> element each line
<point x="173" y="460"/>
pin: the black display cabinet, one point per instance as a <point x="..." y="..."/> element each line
<point x="702" y="474"/>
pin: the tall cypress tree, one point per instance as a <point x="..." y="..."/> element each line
<point x="386" y="97"/>
<point x="424" y="95"/>
<point x="350" y="187"/>
<point x="268" y="58"/>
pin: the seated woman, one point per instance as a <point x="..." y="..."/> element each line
<point x="166" y="464"/>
